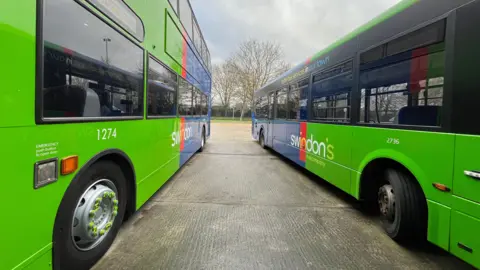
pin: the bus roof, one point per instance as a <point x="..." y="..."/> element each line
<point x="397" y="19"/>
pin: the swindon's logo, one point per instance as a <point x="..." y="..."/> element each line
<point x="182" y="135"/>
<point x="310" y="145"/>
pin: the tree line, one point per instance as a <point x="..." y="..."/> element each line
<point x="250" y="67"/>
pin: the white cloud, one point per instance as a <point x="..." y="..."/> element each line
<point x="302" y="27"/>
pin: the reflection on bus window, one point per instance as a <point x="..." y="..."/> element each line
<point x="332" y="108"/>
<point x="89" y="69"/>
<point x="261" y="108"/>
<point x="282" y="105"/>
<point x="162" y="85"/>
<point x="405" y="93"/>
<point x="185" y="98"/>
<point x="294" y="104"/>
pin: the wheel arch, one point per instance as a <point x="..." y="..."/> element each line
<point x="377" y="162"/>
<point x="126" y="165"/>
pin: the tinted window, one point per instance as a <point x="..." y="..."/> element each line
<point x="204" y="104"/>
<point x="422" y="37"/>
<point x="405" y="93"/>
<point x="372" y="54"/>
<point x="174" y="4"/>
<point x="197" y="38"/>
<point x="294" y="104"/>
<point x="333" y="108"/>
<point x="197" y="101"/>
<point x="185" y="98"/>
<point x="204" y="52"/>
<point x="120" y="13"/>
<point x="162" y="85"/>
<point x="89" y="69"/>
<point x="270" y="105"/>
<point x="339" y="69"/>
<point x="261" y="107"/>
<point x="282" y="104"/>
<point x="338" y="84"/>
<point x="186" y="16"/>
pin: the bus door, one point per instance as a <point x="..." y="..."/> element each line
<point x="269" y="135"/>
<point x="465" y="216"/>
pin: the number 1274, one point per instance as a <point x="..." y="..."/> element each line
<point x="106" y="134"/>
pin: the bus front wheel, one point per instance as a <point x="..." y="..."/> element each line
<point x="402" y="206"/>
<point x="89" y="216"/>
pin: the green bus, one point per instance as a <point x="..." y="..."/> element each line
<point x="102" y="102"/>
<point x="387" y="114"/>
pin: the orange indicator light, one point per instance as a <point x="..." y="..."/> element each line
<point x="69" y="165"/>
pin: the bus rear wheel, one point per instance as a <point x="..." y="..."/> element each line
<point x="261" y="140"/>
<point x="89" y="216"/>
<point x="203" y="141"/>
<point x="403" y="207"/>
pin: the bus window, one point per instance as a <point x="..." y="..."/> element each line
<point x="186" y="16"/>
<point x="331" y="97"/>
<point x="270" y="105"/>
<point x="197" y="101"/>
<point x="294" y="104"/>
<point x="282" y="104"/>
<point x="162" y="94"/>
<point x="261" y="107"/>
<point x="89" y="69"/>
<point x="204" y="104"/>
<point x="405" y="93"/>
<point x="334" y="108"/>
<point x="185" y="93"/>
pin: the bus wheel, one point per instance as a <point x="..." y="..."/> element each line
<point x="261" y="140"/>
<point x="203" y="140"/>
<point x="89" y="216"/>
<point x="402" y="206"/>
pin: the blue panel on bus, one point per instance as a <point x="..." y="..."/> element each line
<point x="282" y="143"/>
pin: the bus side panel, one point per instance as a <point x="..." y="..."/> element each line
<point x="189" y="127"/>
<point x="328" y="153"/>
<point x="293" y="142"/>
<point x="161" y="156"/>
<point x="17" y="67"/>
<point x="23" y="237"/>
<point x="279" y="136"/>
<point x="439" y="217"/>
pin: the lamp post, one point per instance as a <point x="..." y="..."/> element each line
<point x="106" y="40"/>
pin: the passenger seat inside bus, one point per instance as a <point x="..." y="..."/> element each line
<point x="70" y="101"/>
<point x="419" y="116"/>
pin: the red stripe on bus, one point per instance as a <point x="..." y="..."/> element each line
<point x="184" y="56"/>
<point x="303" y="141"/>
<point x="68" y="51"/>
<point x="182" y="133"/>
<point x="418" y="69"/>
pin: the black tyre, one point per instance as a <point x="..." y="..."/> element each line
<point x="403" y="207"/>
<point x="203" y="142"/>
<point x="89" y="216"/>
<point x="261" y="140"/>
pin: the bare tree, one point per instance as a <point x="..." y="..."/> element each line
<point x="254" y="64"/>
<point x="224" y="84"/>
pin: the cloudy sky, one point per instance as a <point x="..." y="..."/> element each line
<point x="301" y="27"/>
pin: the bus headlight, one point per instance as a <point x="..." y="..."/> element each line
<point x="46" y="172"/>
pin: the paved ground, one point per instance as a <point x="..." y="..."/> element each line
<point x="237" y="206"/>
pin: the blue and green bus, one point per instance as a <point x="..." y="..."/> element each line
<point x="387" y="114"/>
<point x="101" y="102"/>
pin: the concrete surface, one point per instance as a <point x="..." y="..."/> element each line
<point x="237" y="206"/>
